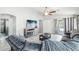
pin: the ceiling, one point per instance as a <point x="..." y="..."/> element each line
<point x="60" y="10"/>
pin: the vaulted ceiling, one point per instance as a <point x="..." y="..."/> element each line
<point x="60" y="10"/>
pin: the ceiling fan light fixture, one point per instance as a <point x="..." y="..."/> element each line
<point x="46" y="13"/>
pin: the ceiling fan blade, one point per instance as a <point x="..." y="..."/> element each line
<point x="52" y="12"/>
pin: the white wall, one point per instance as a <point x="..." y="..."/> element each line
<point x="22" y="14"/>
<point x="48" y="26"/>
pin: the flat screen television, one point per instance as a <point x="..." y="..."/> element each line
<point x="31" y="24"/>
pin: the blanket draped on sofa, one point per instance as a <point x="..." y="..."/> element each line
<point x="69" y="45"/>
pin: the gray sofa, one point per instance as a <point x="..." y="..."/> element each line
<point x="69" y="45"/>
<point x="20" y="44"/>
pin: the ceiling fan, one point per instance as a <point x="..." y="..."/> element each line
<point x="47" y="11"/>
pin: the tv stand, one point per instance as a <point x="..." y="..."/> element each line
<point x="30" y="32"/>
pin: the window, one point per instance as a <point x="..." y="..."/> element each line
<point x="60" y="26"/>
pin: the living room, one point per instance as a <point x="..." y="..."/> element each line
<point x="35" y="24"/>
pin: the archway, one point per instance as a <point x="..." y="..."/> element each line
<point x="7" y="24"/>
